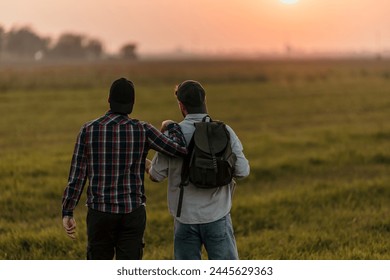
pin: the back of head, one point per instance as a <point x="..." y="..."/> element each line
<point x="193" y="96"/>
<point x="122" y="96"/>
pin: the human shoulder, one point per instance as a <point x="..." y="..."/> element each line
<point x="233" y="137"/>
<point x="230" y="129"/>
<point x="144" y="124"/>
<point x="90" y="123"/>
<point x="96" y="121"/>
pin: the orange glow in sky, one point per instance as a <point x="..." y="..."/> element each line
<point x="211" y="25"/>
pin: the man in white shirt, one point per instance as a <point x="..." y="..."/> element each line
<point x="205" y="213"/>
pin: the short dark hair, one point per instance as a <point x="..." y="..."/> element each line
<point x="193" y="96"/>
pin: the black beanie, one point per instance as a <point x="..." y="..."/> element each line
<point x="122" y="96"/>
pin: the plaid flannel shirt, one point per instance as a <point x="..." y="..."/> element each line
<point x="110" y="152"/>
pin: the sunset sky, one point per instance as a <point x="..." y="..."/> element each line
<point x="211" y="25"/>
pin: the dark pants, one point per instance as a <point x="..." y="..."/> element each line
<point x="119" y="235"/>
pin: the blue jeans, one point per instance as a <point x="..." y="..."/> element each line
<point x="217" y="238"/>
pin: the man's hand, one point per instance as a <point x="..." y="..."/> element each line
<point x="148" y="164"/>
<point x="69" y="225"/>
<point x="164" y="125"/>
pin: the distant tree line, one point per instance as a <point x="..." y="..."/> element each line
<point x="25" y="44"/>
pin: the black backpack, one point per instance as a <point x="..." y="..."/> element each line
<point x="210" y="160"/>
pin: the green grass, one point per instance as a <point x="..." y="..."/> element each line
<point x="316" y="134"/>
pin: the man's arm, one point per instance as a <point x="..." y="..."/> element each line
<point x="157" y="169"/>
<point x="172" y="144"/>
<point x="241" y="167"/>
<point x="77" y="176"/>
<point x="76" y="182"/>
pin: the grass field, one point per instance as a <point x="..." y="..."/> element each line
<point x="316" y="133"/>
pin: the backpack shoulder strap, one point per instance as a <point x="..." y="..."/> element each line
<point x="211" y="147"/>
<point x="185" y="169"/>
<point x="207" y="118"/>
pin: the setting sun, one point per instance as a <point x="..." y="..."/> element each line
<point x="289" y="1"/>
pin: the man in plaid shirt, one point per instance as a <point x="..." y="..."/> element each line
<point x="111" y="152"/>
